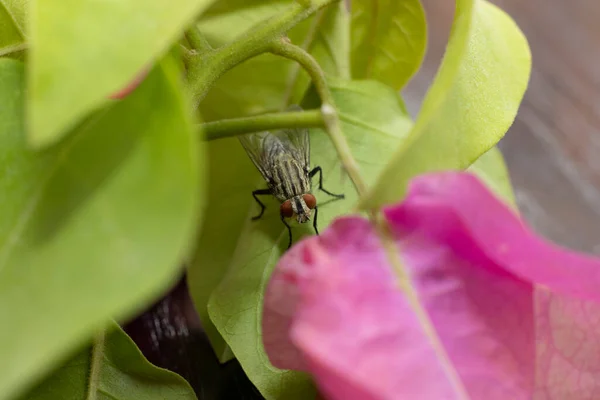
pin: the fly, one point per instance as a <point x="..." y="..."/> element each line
<point x="283" y="159"/>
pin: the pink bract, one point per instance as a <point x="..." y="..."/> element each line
<point x="334" y="306"/>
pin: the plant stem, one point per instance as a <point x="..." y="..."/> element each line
<point x="95" y="366"/>
<point x="205" y="70"/>
<point x="295" y="70"/>
<point x="186" y="55"/>
<point x="237" y="126"/>
<point x="197" y="41"/>
<point x="330" y="116"/>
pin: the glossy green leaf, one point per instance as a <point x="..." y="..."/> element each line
<point x="471" y="104"/>
<point x="270" y="83"/>
<point x="389" y="38"/>
<point x="236" y="255"/>
<point x="328" y="41"/>
<point x="491" y="169"/>
<point x="227" y="20"/>
<point x="112" y="368"/>
<point x="12" y="26"/>
<point x="94" y="228"/>
<point x="84" y="50"/>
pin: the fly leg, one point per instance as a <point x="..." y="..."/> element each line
<point x="260" y="192"/>
<point x="289" y="230"/>
<point x="318" y="170"/>
<point x="315" y="220"/>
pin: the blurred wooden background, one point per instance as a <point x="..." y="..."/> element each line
<point x="553" y="148"/>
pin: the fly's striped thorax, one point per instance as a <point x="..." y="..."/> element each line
<point x="289" y="178"/>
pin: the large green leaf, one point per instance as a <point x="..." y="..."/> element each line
<point x="94" y="228"/>
<point x="227" y="20"/>
<point x="491" y="169"/>
<point x="84" y="50"/>
<point x="328" y="41"/>
<point x="236" y="255"/>
<point x="12" y="26"/>
<point x="268" y="82"/>
<point x="389" y="38"/>
<point x="112" y="368"/>
<point x="471" y="104"/>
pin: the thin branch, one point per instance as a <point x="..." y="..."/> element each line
<point x="295" y="70"/>
<point x="197" y="41"/>
<point x="186" y="55"/>
<point x="95" y="366"/>
<point x="288" y="50"/>
<point x="238" y="126"/>
<point x="207" y="69"/>
<point x="342" y="30"/>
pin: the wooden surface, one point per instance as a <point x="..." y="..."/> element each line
<point x="553" y="148"/>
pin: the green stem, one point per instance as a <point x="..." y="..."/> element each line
<point x="95" y="366"/>
<point x="330" y="116"/>
<point x="197" y="41"/>
<point x="295" y="69"/>
<point x="186" y="56"/>
<point x="205" y="70"/>
<point x="237" y="126"/>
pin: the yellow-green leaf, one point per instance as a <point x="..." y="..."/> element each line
<point x="12" y="26"/>
<point x="112" y="368"/>
<point x="95" y="227"/>
<point x="389" y="38"/>
<point x="471" y="104"/>
<point x="491" y="169"/>
<point x="84" y="50"/>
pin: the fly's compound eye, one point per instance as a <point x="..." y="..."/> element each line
<point x="310" y="200"/>
<point x="286" y="209"/>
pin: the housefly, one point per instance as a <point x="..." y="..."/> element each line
<point x="283" y="159"/>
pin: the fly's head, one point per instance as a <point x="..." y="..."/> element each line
<point x="300" y="206"/>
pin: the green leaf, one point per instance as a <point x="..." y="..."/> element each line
<point x="328" y="41"/>
<point x="270" y="83"/>
<point x="84" y="50"/>
<point x="389" y="38"/>
<point x="94" y="228"/>
<point x="12" y="26"/>
<point x="236" y="255"/>
<point x="112" y="368"/>
<point x="491" y="169"/>
<point x="227" y="20"/>
<point x="471" y="104"/>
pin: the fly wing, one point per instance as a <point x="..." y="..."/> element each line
<point x="296" y="142"/>
<point x="254" y="144"/>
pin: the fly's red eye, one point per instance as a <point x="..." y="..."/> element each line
<point x="286" y="209"/>
<point x="310" y="200"/>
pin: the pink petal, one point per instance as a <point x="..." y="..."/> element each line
<point x="568" y="339"/>
<point x="567" y="311"/>
<point x="354" y="329"/>
<point x="332" y="307"/>
<point x="470" y="217"/>
<point x="358" y="335"/>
